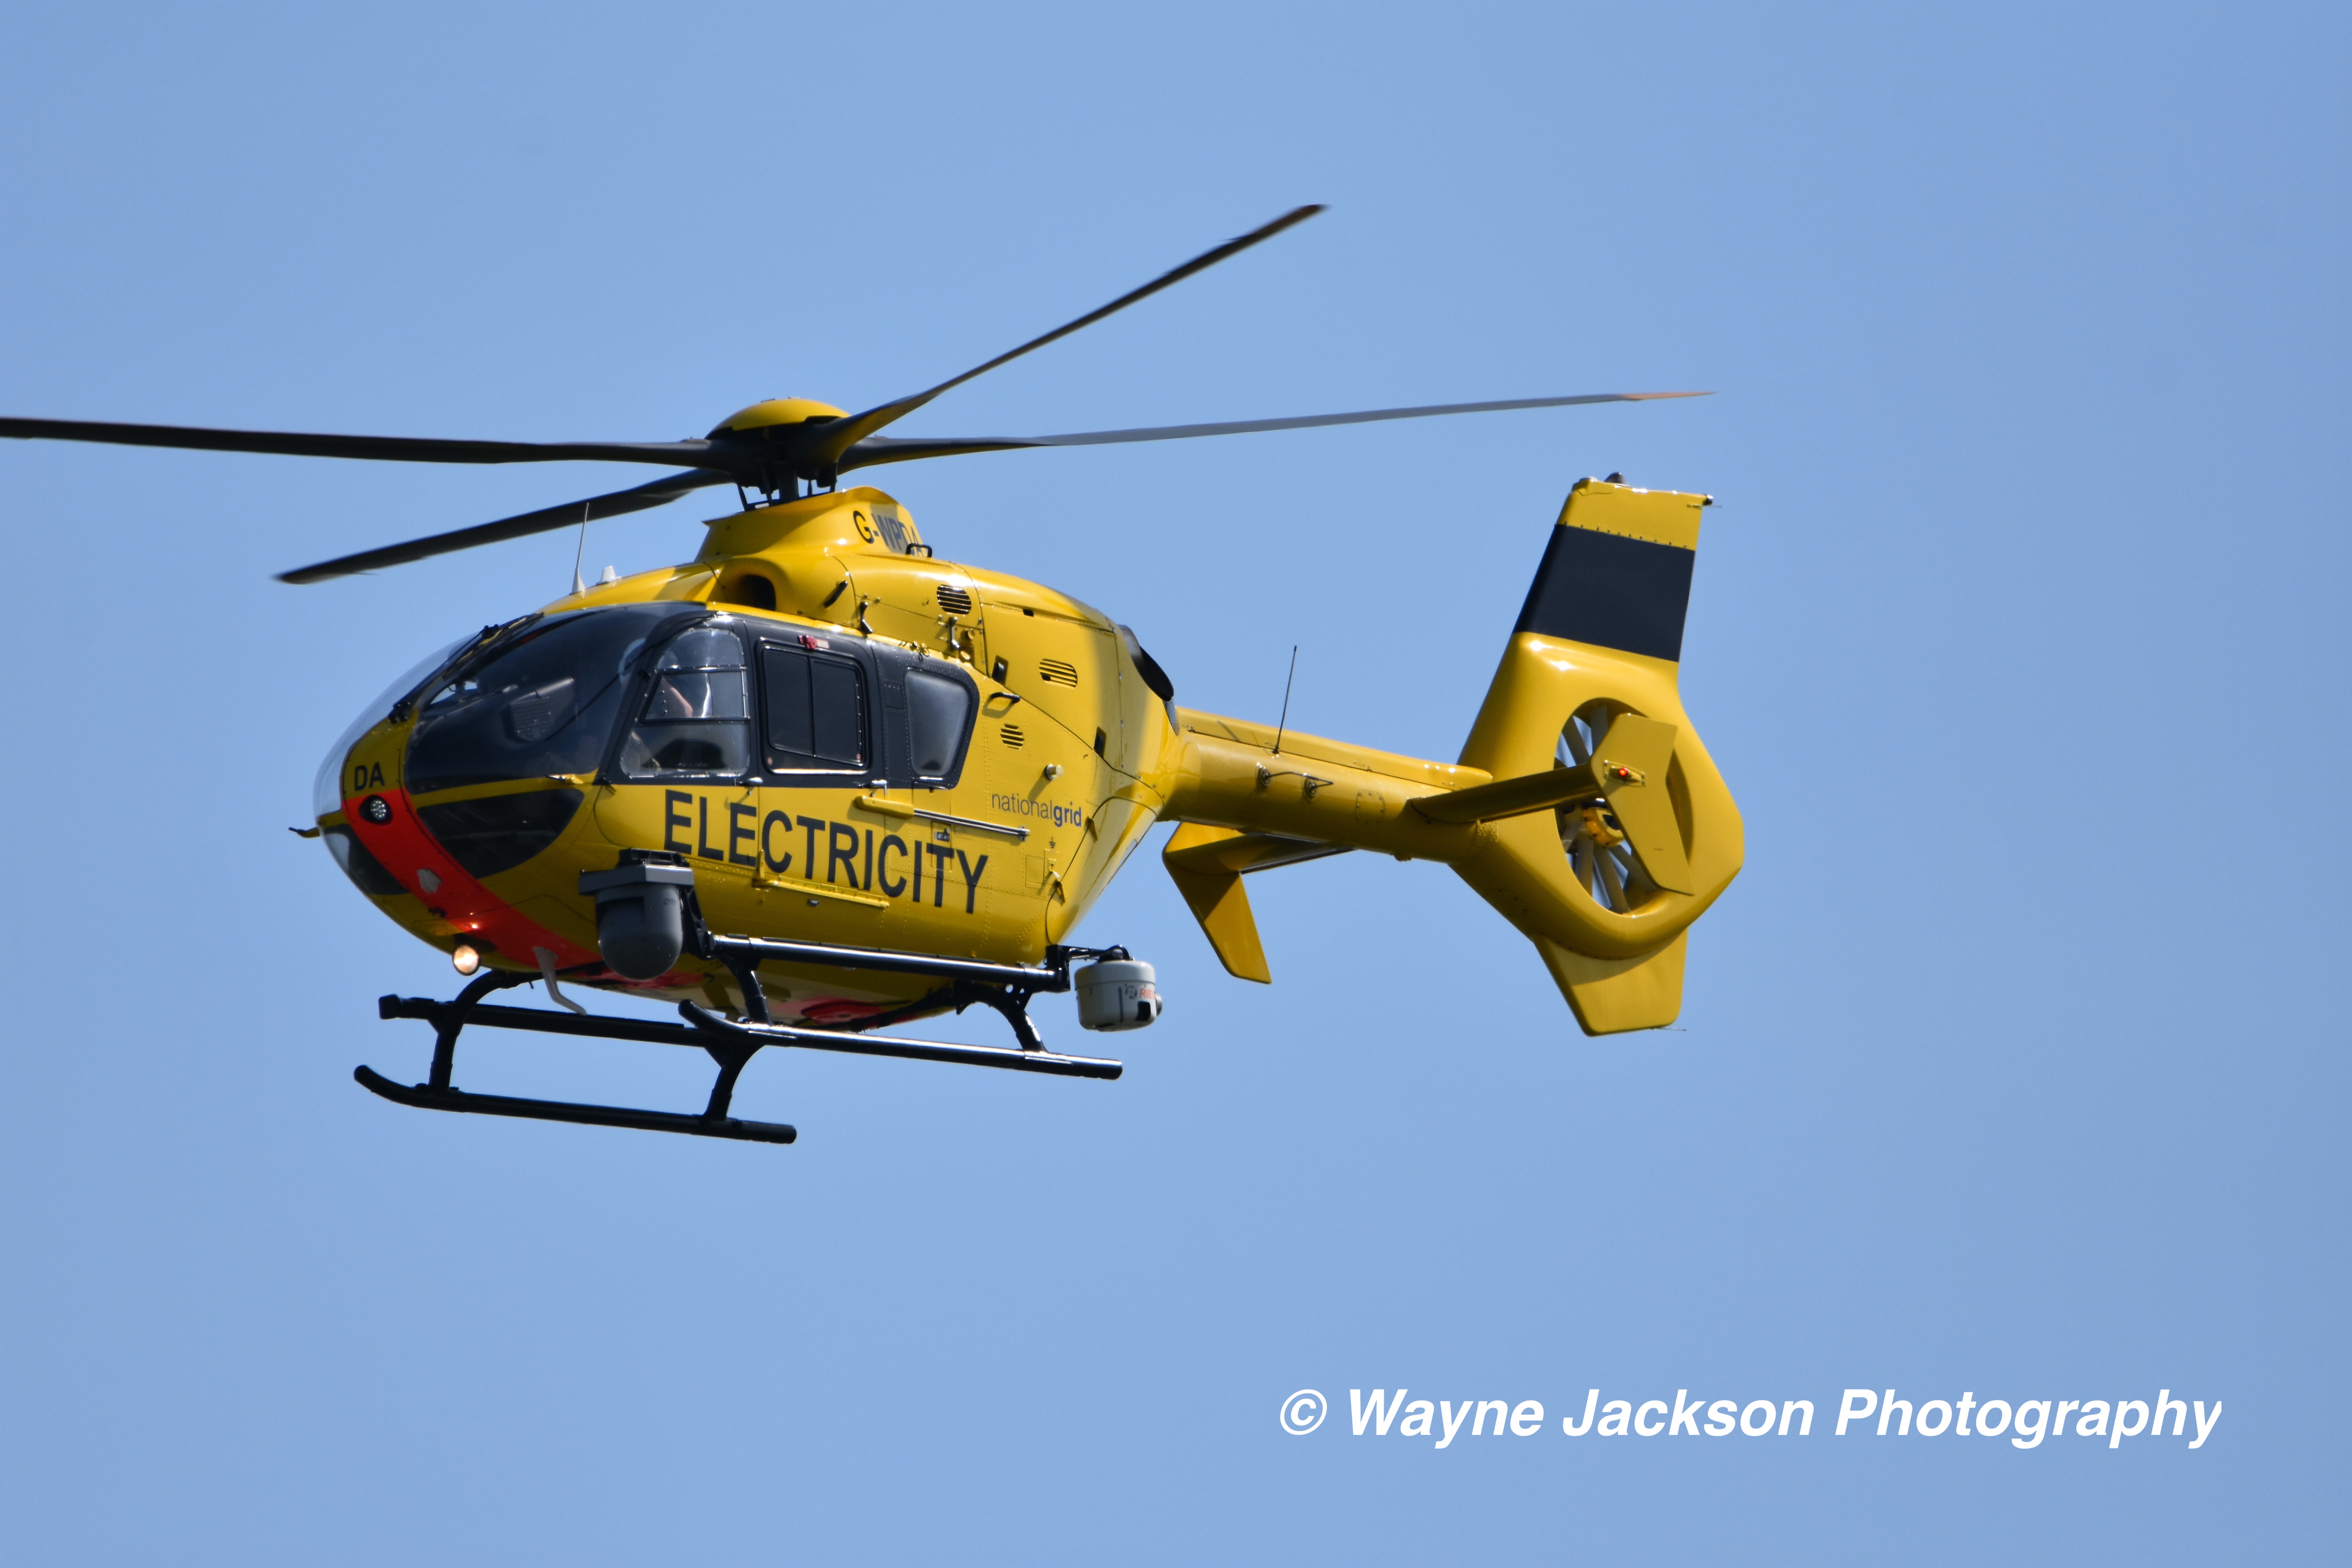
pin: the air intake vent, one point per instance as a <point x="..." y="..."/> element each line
<point x="954" y="601"/>
<point x="1057" y="672"/>
<point x="1012" y="736"/>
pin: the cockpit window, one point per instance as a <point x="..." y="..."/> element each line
<point x="543" y="703"/>
<point x="697" y="717"/>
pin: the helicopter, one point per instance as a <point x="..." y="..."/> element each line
<point x="819" y="782"/>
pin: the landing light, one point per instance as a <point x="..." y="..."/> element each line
<point x="465" y="958"/>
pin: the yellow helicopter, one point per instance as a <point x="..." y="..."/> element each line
<point x="819" y="782"/>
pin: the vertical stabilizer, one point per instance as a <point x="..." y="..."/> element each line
<point x="1606" y="889"/>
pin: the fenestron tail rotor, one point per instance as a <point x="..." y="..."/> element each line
<point x="1629" y="843"/>
<point x="772" y="447"/>
<point x="1594" y="841"/>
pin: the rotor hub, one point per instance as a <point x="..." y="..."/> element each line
<point x="777" y="411"/>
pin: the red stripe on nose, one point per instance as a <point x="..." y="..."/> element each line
<point x="387" y="825"/>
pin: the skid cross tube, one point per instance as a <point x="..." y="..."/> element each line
<point x="449" y="1020"/>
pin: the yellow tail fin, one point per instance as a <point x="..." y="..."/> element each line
<point x="1606" y="889"/>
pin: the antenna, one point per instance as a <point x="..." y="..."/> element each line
<point x="1279" y="729"/>
<point x="581" y="553"/>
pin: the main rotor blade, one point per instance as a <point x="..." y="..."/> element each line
<point x="834" y="438"/>
<point x="570" y="514"/>
<point x="895" y="449"/>
<point x="380" y="448"/>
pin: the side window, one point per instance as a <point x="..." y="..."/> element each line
<point x="815" y="710"/>
<point x="938" y="720"/>
<point x="697" y="717"/>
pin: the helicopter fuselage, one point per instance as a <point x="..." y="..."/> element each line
<point x="1058" y="757"/>
<point x="850" y="742"/>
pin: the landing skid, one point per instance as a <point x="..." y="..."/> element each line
<point x="1006" y="988"/>
<point x="425" y="1098"/>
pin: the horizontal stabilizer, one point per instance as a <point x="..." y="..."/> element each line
<point x="1200" y="848"/>
<point x="1511" y="798"/>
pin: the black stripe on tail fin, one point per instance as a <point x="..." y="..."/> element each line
<point x="1617" y="571"/>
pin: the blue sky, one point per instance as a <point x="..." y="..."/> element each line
<point x="2012" y="1064"/>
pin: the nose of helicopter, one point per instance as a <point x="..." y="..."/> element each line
<point x="389" y="830"/>
<point x="480" y="774"/>
<point x="327" y="784"/>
